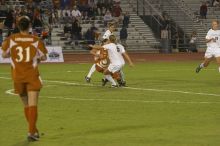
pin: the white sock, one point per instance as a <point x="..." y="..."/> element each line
<point x="219" y="69"/>
<point x="122" y="75"/>
<point x="110" y="79"/>
<point x="92" y="70"/>
<point x="201" y="65"/>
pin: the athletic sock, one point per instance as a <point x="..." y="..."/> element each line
<point x="219" y="69"/>
<point x="110" y="79"/>
<point x="91" y="71"/>
<point x="26" y="112"/>
<point x="201" y="65"/>
<point x="122" y="75"/>
<point x="32" y="119"/>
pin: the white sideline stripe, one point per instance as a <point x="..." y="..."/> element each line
<point x="133" y="88"/>
<point x="122" y="100"/>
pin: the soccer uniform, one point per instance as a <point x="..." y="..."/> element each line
<point x="107" y="34"/>
<point x="121" y="50"/>
<point x="24" y="50"/>
<point x="213" y="47"/>
<point x="102" y="63"/>
<point x="114" y="57"/>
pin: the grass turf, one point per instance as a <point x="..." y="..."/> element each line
<point x="166" y="104"/>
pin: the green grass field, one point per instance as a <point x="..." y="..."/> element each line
<point x="165" y="104"/>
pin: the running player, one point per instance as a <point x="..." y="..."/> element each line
<point x="101" y="58"/>
<point x="26" y="51"/>
<point x="213" y="46"/>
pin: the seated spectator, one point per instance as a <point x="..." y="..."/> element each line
<point x="108" y="4"/>
<point x="126" y="19"/>
<point x="192" y="43"/>
<point x="100" y="6"/>
<point x="117" y="1"/>
<point x="107" y="18"/>
<point x="66" y="14"/>
<point x="76" y="14"/>
<point x="203" y="10"/>
<point x="117" y="10"/>
<point x="216" y="3"/>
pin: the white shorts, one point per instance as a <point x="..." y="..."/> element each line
<point x="114" y="68"/>
<point x="212" y="52"/>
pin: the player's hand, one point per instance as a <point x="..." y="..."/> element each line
<point x="131" y="64"/>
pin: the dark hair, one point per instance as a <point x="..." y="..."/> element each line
<point x="24" y="23"/>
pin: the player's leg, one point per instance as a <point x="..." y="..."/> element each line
<point x="33" y="89"/>
<point x="91" y="71"/>
<point x="205" y="63"/>
<point x="108" y="77"/>
<point x="20" y="88"/>
<point x="122" y="78"/>
<point x="208" y="58"/>
<point x="33" y="115"/>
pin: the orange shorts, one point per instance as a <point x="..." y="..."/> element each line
<point x="24" y="87"/>
<point x="99" y="69"/>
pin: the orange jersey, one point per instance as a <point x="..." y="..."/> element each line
<point x="24" y="50"/>
<point x="102" y="62"/>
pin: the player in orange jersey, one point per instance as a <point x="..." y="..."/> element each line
<point x="26" y="51"/>
<point x="100" y="57"/>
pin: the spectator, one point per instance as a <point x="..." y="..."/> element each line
<point x="1" y="33"/>
<point x="91" y="34"/>
<point x="192" y="43"/>
<point x="123" y="36"/>
<point x="108" y="4"/>
<point x="165" y="27"/>
<point x="76" y="31"/>
<point x="100" y="6"/>
<point x="216" y="3"/>
<point x="107" y="18"/>
<point x="117" y="10"/>
<point x="117" y="1"/>
<point x="66" y="14"/>
<point x="76" y="14"/>
<point x="9" y="20"/>
<point x="126" y="19"/>
<point x="203" y="10"/>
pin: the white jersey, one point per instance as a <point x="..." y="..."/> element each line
<point x="107" y="34"/>
<point x="121" y="50"/>
<point x="216" y="35"/>
<point x="113" y="54"/>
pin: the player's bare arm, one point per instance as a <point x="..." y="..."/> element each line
<point x="5" y="54"/>
<point x="126" y="56"/>
<point x="209" y="40"/>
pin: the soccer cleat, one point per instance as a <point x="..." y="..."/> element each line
<point x="87" y="79"/>
<point x="114" y="86"/>
<point x="32" y="138"/>
<point x="104" y="81"/>
<point x="123" y="84"/>
<point x="198" y="69"/>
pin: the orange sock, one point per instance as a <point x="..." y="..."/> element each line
<point x="32" y="119"/>
<point x="26" y="111"/>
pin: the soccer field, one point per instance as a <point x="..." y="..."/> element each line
<point x="165" y="104"/>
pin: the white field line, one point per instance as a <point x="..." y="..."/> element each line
<point x="132" y="88"/>
<point x="122" y="100"/>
